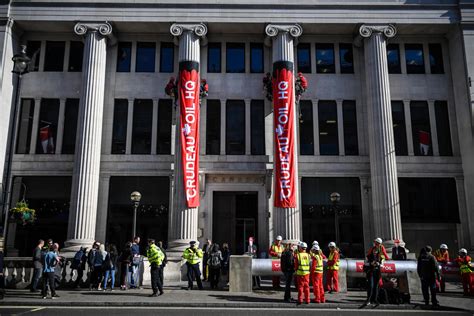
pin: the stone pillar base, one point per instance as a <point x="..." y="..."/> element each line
<point x="175" y="270"/>
<point x="240" y="274"/>
<point x="73" y="245"/>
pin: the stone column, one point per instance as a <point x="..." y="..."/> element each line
<point x="383" y="166"/>
<point x="85" y="179"/>
<point x="286" y="221"/>
<point x="183" y="221"/>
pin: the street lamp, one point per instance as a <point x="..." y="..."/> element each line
<point x="21" y="61"/>
<point x="335" y="198"/>
<point x="135" y="197"/>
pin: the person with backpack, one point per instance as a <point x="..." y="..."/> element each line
<point x="79" y="264"/>
<point x="215" y="264"/>
<point x="109" y="266"/>
<point x="288" y="268"/>
<point x="125" y="259"/>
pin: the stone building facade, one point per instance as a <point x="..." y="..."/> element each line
<point x="387" y="120"/>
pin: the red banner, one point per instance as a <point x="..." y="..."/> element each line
<point x="276" y="265"/>
<point x="283" y="122"/>
<point x="386" y="268"/>
<point x="189" y="127"/>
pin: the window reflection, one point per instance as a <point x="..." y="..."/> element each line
<point x="256" y="58"/>
<point x="25" y="126"/>
<point x="399" y="129"/>
<point x="328" y="134"/>
<point x="33" y="50"/>
<point x="145" y="57"/>
<point x="304" y="57"/>
<point x="119" y="134"/>
<point x="214" y="57"/>
<point x="436" y="59"/>
<point x="165" y="112"/>
<point x="349" y="115"/>
<point x="393" y="59"/>
<point x="235" y="57"/>
<point x="257" y="127"/>
<point x="124" y="55"/>
<point x="70" y="126"/>
<point x="346" y="58"/>
<point x="442" y="128"/>
<point x="167" y="57"/>
<point x="142" y="124"/>
<point x="306" y="128"/>
<point x="235" y="127"/>
<point x="414" y="58"/>
<point x="76" y="52"/>
<point x="54" y="56"/>
<point x="213" y="127"/>
<point x="325" y="58"/>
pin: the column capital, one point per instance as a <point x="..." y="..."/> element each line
<point x="295" y="30"/>
<point x="199" y="29"/>
<point x="366" y="30"/>
<point x="104" y="28"/>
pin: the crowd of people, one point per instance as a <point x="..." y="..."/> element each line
<point x="299" y="263"/>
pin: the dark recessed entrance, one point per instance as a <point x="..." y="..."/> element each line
<point x="235" y="219"/>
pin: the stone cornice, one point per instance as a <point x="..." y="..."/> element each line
<point x="366" y="30"/>
<point x="295" y="30"/>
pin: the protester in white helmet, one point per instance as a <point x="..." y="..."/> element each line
<point x="467" y="276"/>
<point x="442" y="256"/>
<point x="275" y="251"/>
<point x="332" y="276"/>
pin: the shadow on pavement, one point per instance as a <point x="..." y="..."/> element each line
<point x="241" y="298"/>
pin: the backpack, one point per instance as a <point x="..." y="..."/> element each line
<point x="107" y="263"/>
<point x="215" y="261"/>
<point x="76" y="262"/>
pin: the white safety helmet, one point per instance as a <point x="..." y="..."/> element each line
<point x="462" y="250"/>
<point x="443" y="246"/>
<point x="332" y="244"/>
<point x="316" y="248"/>
<point x="279" y="238"/>
<point x="315" y="242"/>
<point x="303" y="245"/>
<point x="378" y="240"/>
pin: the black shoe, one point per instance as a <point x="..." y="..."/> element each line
<point x="298" y="303"/>
<point x="153" y="295"/>
<point x="189" y="289"/>
<point x="200" y="289"/>
<point x="161" y="293"/>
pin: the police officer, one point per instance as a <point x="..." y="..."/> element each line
<point x="302" y="267"/>
<point x="193" y="255"/>
<point x="155" y="257"/>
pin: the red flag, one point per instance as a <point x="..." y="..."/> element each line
<point x="283" y="120"/>
<point x="189" y="129"/>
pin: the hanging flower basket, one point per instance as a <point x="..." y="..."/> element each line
<point x="22" y="214"/>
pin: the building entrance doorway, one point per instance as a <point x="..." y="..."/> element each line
<point x="235" y="219"/>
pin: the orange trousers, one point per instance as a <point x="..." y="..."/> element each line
<point x="302" y="283"/>
<point x="332" y="281"/>
<point x="468" y="283"/>
<point x="318" y="288"/>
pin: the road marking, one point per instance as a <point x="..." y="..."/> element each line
<point x="35" y="309"/>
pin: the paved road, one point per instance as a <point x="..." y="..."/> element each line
<point x="197" y="311"/>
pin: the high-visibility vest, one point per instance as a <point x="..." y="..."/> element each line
<point x="155" y="255"/>
<point x="465" y="265"/>
<point x="303" y="263"/>
<point x="191" y="256"/>
<point x="319" y="263"/>
<point x="277" y="249"/>
<point x="336" y="264"/>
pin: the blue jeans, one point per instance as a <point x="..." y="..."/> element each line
<point x="112" y="277"/>
<point x="134" y="278"/>
<point x="36" y="276"/>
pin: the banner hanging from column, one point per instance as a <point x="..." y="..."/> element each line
<point x="284" y="124"/>
<point x="189" y="128"/>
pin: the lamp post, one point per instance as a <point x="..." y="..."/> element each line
<point x="135" y="197"/>
<point x="21" y="61"/>
<point x="335" y="198"/>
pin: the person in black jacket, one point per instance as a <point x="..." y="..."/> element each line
<point x="37" y="266"/>
<point x="428" y="272"/>
<point x="125" y="259"/>
<point x="163" y="264"/>
<point x="288" y="269"/>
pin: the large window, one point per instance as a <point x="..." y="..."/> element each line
<point x="328" y="135"/>
<point x="119" y="134"/>
<point x="303" y="51"/>
<point x="436" y="59"/>
<point x="70" y="126"/>
<point x="325" y="59"/>
<point x="428" y="200"/>
<point x="26" y="124"/>
<point x="146" y="52"/>
<point x="167" y="57"/>
<point x="48" y="126"/>
<point x="349" y="114"/>
<point x="124" y="56"/>
<point x="319" y="215"/>
<point x="399" y="128"/>
<point x="235" y="57"/>
<point x="213" y="127"/>
<point x="76" y="53"/>
<point x="256" y="58"/>
<point x="142" y="125"/>
<point x="33" y="50"/>
<point x="257" y="127"/>
<point x="165" y="112"/>
<point x="393" y="59"/>
<point x="346" y="58"/>
<point x="442" y="128"/>
<point x="235" y="127"/>
<point x="214" y="57"/>
<point x="306" y="128"/>
<point x="414" y="58"/>
<point x="420" y="124"/>
<point x="54" y="56"/>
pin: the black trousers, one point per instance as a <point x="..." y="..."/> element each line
<point x="194" y="272"/>
<point x="429" y="287"/>
<point x="214" y="275"/>
<point x="288" y="280"/>
<point x="373" y="279"/>
<point x="80" y="274"/>
<point x="36" y="277"/>
<point x="156" y="284"/>
<point x="48" y="278"/>
<point x="162" y="279"/>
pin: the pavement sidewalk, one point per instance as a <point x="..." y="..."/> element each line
<point x="176" y="296"/>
